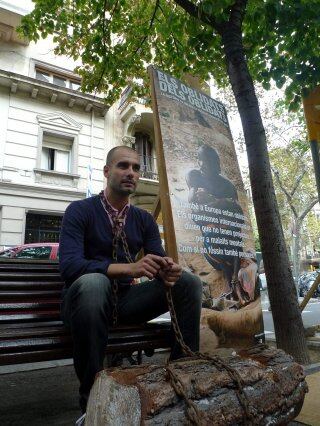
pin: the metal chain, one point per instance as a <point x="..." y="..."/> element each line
<point x="195" y="416"/>
<point x="178" y="386"/>
<point x="115" y="285"/>
<point x="217" y="362"/>
<point x="118" y="235"/>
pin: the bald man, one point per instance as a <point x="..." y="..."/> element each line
<point x="91" y="259"/>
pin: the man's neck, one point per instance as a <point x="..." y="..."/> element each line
<point x="117" y="201"/>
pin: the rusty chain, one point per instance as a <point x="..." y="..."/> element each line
<point x="179" y="388"/>
<point x="115" y="282"/>
<point x="217" y="362"/>
<point x="195" y="416"/>
<point x="118" y="235"/>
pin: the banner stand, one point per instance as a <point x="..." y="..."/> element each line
<point x="163" y="202"/>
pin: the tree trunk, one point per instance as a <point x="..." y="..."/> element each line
<point x="273" y="392"/>
<point x="285" y="309"/>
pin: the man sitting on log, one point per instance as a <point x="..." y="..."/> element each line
<point x="100" y="239"/>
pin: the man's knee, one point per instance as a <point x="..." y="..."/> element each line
<point x="93" y="287"/>
<point x="88" y="296"/>
<point x="87" y="307"/>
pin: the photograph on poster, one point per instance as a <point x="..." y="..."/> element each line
<point x="209" y="205"/>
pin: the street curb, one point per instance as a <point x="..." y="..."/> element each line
<point x="311" y="368"/>
<point x="18" y="368"/>
<point x="310" y="343"/>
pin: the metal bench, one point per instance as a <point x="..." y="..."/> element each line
<point x="30" y="325"/>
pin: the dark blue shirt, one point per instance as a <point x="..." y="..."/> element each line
<point x="86" y="239"/>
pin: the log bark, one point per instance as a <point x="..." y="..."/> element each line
<point x="273" y="386"/>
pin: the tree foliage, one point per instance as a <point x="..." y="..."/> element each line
<point x="116" y="38"/>
<point x="296" y="193"/>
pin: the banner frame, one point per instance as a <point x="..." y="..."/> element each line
<point x="164" y="195"/>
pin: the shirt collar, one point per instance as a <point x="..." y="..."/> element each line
<point x="110" y="206"/>
<point x="114" y="214"/>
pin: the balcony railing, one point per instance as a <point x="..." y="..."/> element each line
<point x="147" y="167"/>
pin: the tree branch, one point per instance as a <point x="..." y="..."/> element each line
<point x="297" y="183"/>
<point x="104" y="44"/>
<point x="196" y="12"/>
<point x="237" y="13"/>
<point x="286" y="193"/>
<point x="150" y="26"/>
<point x="308" y="208"/>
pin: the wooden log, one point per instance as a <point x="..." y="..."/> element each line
<point x="273" y="387"/>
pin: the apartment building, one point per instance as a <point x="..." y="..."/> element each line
<point x="54" y="139"/>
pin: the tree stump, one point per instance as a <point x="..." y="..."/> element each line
<point x="273" y="389"/>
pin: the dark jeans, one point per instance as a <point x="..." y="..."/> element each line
<point x="87" y="309"/>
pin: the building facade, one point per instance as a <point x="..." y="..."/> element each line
<point x="54" y="139"/>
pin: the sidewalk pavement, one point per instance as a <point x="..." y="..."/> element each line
<point x="46" y="394"/>
<point x="310" y="413"/>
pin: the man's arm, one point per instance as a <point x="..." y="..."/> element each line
<point x="72" y="259"/>
<point x="152" y="243"/>
<point x="168" y="270"/>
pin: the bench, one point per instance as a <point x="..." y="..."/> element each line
<point x="30" y="325"/>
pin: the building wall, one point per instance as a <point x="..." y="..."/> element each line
<point x="21" y="59"/>
<point x="23" y="189"/>
<point x="20" y="139"/>
<point x="17" y="200"/>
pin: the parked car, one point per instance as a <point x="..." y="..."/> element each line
<point x="32" y="251"/>
<point x="305" y="282"/>
<point x="263" y="281"/>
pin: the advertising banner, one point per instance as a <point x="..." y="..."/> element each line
<point x="201" y="185"/>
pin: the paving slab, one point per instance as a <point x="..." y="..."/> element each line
<point x="310" y="413"/>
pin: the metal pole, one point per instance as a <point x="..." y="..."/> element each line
<point x="316" y="162"/>
<point x="310" y="293"/>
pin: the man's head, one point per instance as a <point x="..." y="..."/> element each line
<point x="122" y="171"/>
<point x="209" y="160"/>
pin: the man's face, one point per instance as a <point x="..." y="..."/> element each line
<point x="123" y="173"/>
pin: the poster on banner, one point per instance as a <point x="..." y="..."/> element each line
<point x="198" y="169"/>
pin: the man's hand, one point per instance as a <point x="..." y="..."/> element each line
<point x="171" y="273"/>
<point x="149" y="266"/>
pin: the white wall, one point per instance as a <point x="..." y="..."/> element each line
<point x="17" y="201"/>
<point x="20" y="139"/>
<point x="20" y="59"/>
